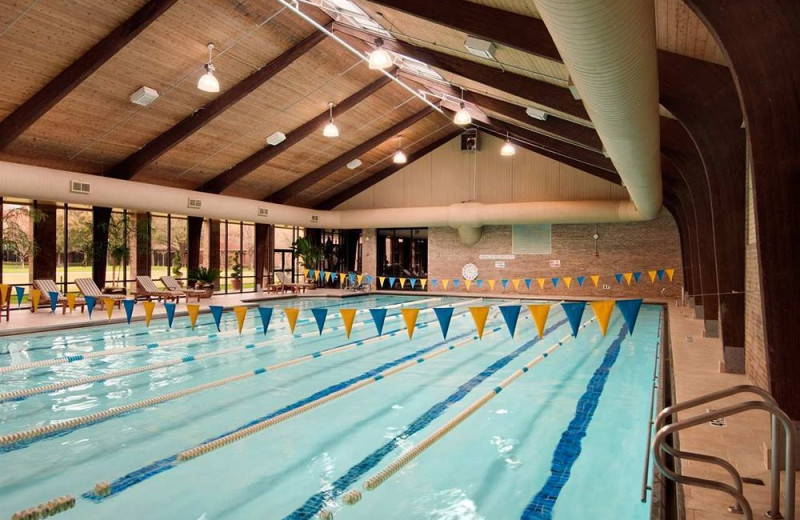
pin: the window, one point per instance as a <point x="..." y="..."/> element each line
<point x="403" y="253"/>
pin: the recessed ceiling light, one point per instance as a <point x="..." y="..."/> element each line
<point x="355" y="163"/>
<point x="276" y="138"/>
<point x="144" y="96"/>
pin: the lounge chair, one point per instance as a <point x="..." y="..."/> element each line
<point x="172" y="284"/>
<point x="146" y="288"/>
<point x="287" y="283"/>
<point x="87" y="287"/>
<point x="48" y="286"/>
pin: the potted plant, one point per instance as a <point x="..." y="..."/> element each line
<point x="309" y="253"/>
<point x="204" y="278"/>
<point x="236" y="272"/>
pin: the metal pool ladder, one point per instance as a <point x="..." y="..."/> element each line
<point x="661" y="448"/>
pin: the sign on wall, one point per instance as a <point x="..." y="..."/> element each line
<point x="496" y="257"/>
<point x="534" y="239"/>
<point x="555" y="263"/>
<point x="500" y="264"/>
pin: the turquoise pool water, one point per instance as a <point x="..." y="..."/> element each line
<point x="565" y="441"/>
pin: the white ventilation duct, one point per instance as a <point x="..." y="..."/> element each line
<point x="609" y="49"/>
<point x="34" y="182"/>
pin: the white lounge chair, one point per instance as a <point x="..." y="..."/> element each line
<point x="172" y="284"/>
<point x="146" y="288"/>
<point x="48" y="286"/>
<point x="87" y="287"/>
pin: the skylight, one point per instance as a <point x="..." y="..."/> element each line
<point x="349" y="13"/>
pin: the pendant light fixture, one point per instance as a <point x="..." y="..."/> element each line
<point x="380" y="57"/>
<point x="508" y="149"/>
<point x="208" y="82"/>
<point x="462" y="117"/>
<point x="399" y="155"/>
<point x="330" y="129"/>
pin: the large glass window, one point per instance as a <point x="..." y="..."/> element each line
<point x="284" y="259"/>
<point x="403" y="253"/>
<point x="17" y="243"/>
<point x="78" y="237"/>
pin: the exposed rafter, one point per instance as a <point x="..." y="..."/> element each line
<point x="60" y="86"/>
<point x="135" y="162"/>
<point x="225" y="179"/>
<point x="323" y="171"/>
<point x="375" y="178"/>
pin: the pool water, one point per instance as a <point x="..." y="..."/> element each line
<point x="564" y="441"/>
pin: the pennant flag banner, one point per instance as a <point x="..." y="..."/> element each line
<point x="348" y="316"/>
<point x="369" y="279"/>
<point x="595" y="279"/>
<point x="71" y="299"/>
<point x="636" y="276"/>
<point x="53" y="301"/>
<point x="291" y="316"/>
<point x="108" y="303"/>
<point x="540" y="281"/>
<point x="580" y="280"/>
<point x="434" y="283"/>
<point x="36" y="294"/>
<point x="423" y="282"/>
<point x="628" y="277"/>
<point x="456" y="281"/>
<point x="479" y="315"/>
<point x="391" y="282"/>
<point x="149" y="307"/>
<point x="322" y="276"/>
<point x="467" y="283"/>
<point x="381" y="279"/>
<point x="660" y="274"/>
<point x="170" y="308"/>
<point x="193" y="309"/>
<point x="128" y="305"/>
<point x="618" y="276"/>
<point x="444" y="283"/>
<point x="670" y="273"/>
<point x="567" y="281"/>
<point x="241" y="313"/>
<point x="510" y="315"/>
<point x="352" y="277"/>
<point x="320" y="314"/>
<point x="216" y="312"/>
<point x="515" y="283"/>
<point x="413" y="282"/>
<point x="402" y="282"/>
<point x="491" y="284"/>
<point x="3" y="289"/>
<point x="574" y="312"/>
<point x="331" y="275"/>
<point x="444" y="315"/>
<point x="504" y="282"/>
<point x="341" y="278"/>
<point x="359" y="277"/>
<point x="20" y="295"/>
<point x="630" y="311"/>
<point x="539" y="313"/>
<point x="479" y="283"/>
<point x="309" y="273"/>
<point x="602" y="311"/>
<point x="555" y="282"/>
<point x="528" y="283"/>
<point x="378" y="316"/>
<point x="410" y="317"/>
<point x="265" y="313"/>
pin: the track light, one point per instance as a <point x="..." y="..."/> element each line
<point x="330" y="129"/>
<point x="208" y="82"/>
<point x="399" y="155"/>
<point x="508" y="149"/>
<point x="462" y="117"/>
<point x="380" y="57"/>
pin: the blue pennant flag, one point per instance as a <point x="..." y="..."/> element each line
<point x="510" y="314"/>
<point x="378" y="316"/>
<point x="369" y="279"/>
<point x="20" y="295"/>
<point x="352" y="277"/>
<point x="90" y="303"/>
<point x="630" y="311"/>
<point x="322" y="277"/>
<point x="128" y="304"/>
<point x="311" y="273"/>
<point x="266" y="316"/>
<point x="170" y="308"/>
<point x="528" y="283"/>
<point x="456" y="282"/>
<point x="391" y="282"/>
<point x="216" y="312"/>
<point x="580" y="280"/>
<point x="618" y="276"/>
<point x="320" y="313"/>
<point x="413" y="282"/>
<point x="53" y="300"/>
<point x="555" y="281"/>
<point x="574" y="312"/>
<point x="444" y="314"/>
<point x="504" y="281"/>
<point x="636" y="276"/>
<point x="660" y="273"/>
<point x="479" y="283"/>
<point x="434" y="282"/>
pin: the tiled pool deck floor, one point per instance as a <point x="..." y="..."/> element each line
<point x="696" y="371"/>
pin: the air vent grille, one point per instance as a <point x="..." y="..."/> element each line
<point x="195" y="204"/>
<point x="80" y="187"/>
<point x="314" y="218"/>
<point x="263" y="212"/>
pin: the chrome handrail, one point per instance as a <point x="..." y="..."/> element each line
<point x="646" y="470"/>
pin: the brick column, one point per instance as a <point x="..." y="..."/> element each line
<point x="45" y="255"/>
<point x="144" y="257"/>
<point x="263" y="251"/>
<point x="195" y="231"/>
<point x="213" y="247"/>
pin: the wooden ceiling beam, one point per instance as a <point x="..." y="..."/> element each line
<point x="293" y="189"/>
<point x="375" y="178"/>
<point x="59" y="87"/>
<point x="135" y="162"/>
<point x="227" y="178"/>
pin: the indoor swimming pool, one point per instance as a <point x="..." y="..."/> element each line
<point x="199" y="424"/>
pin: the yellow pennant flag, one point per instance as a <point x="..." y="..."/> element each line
<point x="71" y="298"/>
<point x="348" y="315"/>
<point x="291" y="316"/>
<point x="491" y="284"/>
<point x="540" y="281"/>
<point x="670" y="273"/>
<point x="628" y="277"/>
<point x="567" y="281"/>
<point x="515" y="283"/>
<point x="539" y="312"/>
<point x="109" y="304"/>
<point x="193" y="309"/>
<point x="318" y="275"/>
<point x="149" y="307"/>
<point x="410" y="317"/>
<point x="652" y="275"/>
<point x="35" y="295"/>
<point x="402" y="282"/>
<point x="602" y="311"/>
<point x="341" y="278"/>
<point x="381" y="279"/>
<point x="330" y="276"/>
<point x="423" y="282"/>
<point x="308" y="273"/>
<point x="240" y="312"/>
<point x="3" y="289"/>
<point x="467" y="284"/>
<point x="479" y="315"/>
<point x="595" y="279"/>
<point x="359" y="277"/>
<point x="445" y="281"/>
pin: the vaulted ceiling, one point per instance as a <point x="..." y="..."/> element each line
<point x="71" y="66"/>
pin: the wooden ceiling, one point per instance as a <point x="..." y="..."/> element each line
<point x="87" y="123"/>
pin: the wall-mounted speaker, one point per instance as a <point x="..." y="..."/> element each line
<point x="469" y="140"/>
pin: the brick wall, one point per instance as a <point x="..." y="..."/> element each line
<point x="369" y="252"/>
<point x="754" y="349"/>
<point x="639" y="246"/>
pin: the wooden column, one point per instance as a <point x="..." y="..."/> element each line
<point x="45" y="255"/>
<point x="263" y="251"/>
<point x="194" y="232"/>
<point x="101" y="218"/>
<point x="213" y="247"/>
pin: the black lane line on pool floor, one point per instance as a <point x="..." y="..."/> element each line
<point x="568" y="448"/>
<point x="170" y="462"/>
<point x="315" y="502"/>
